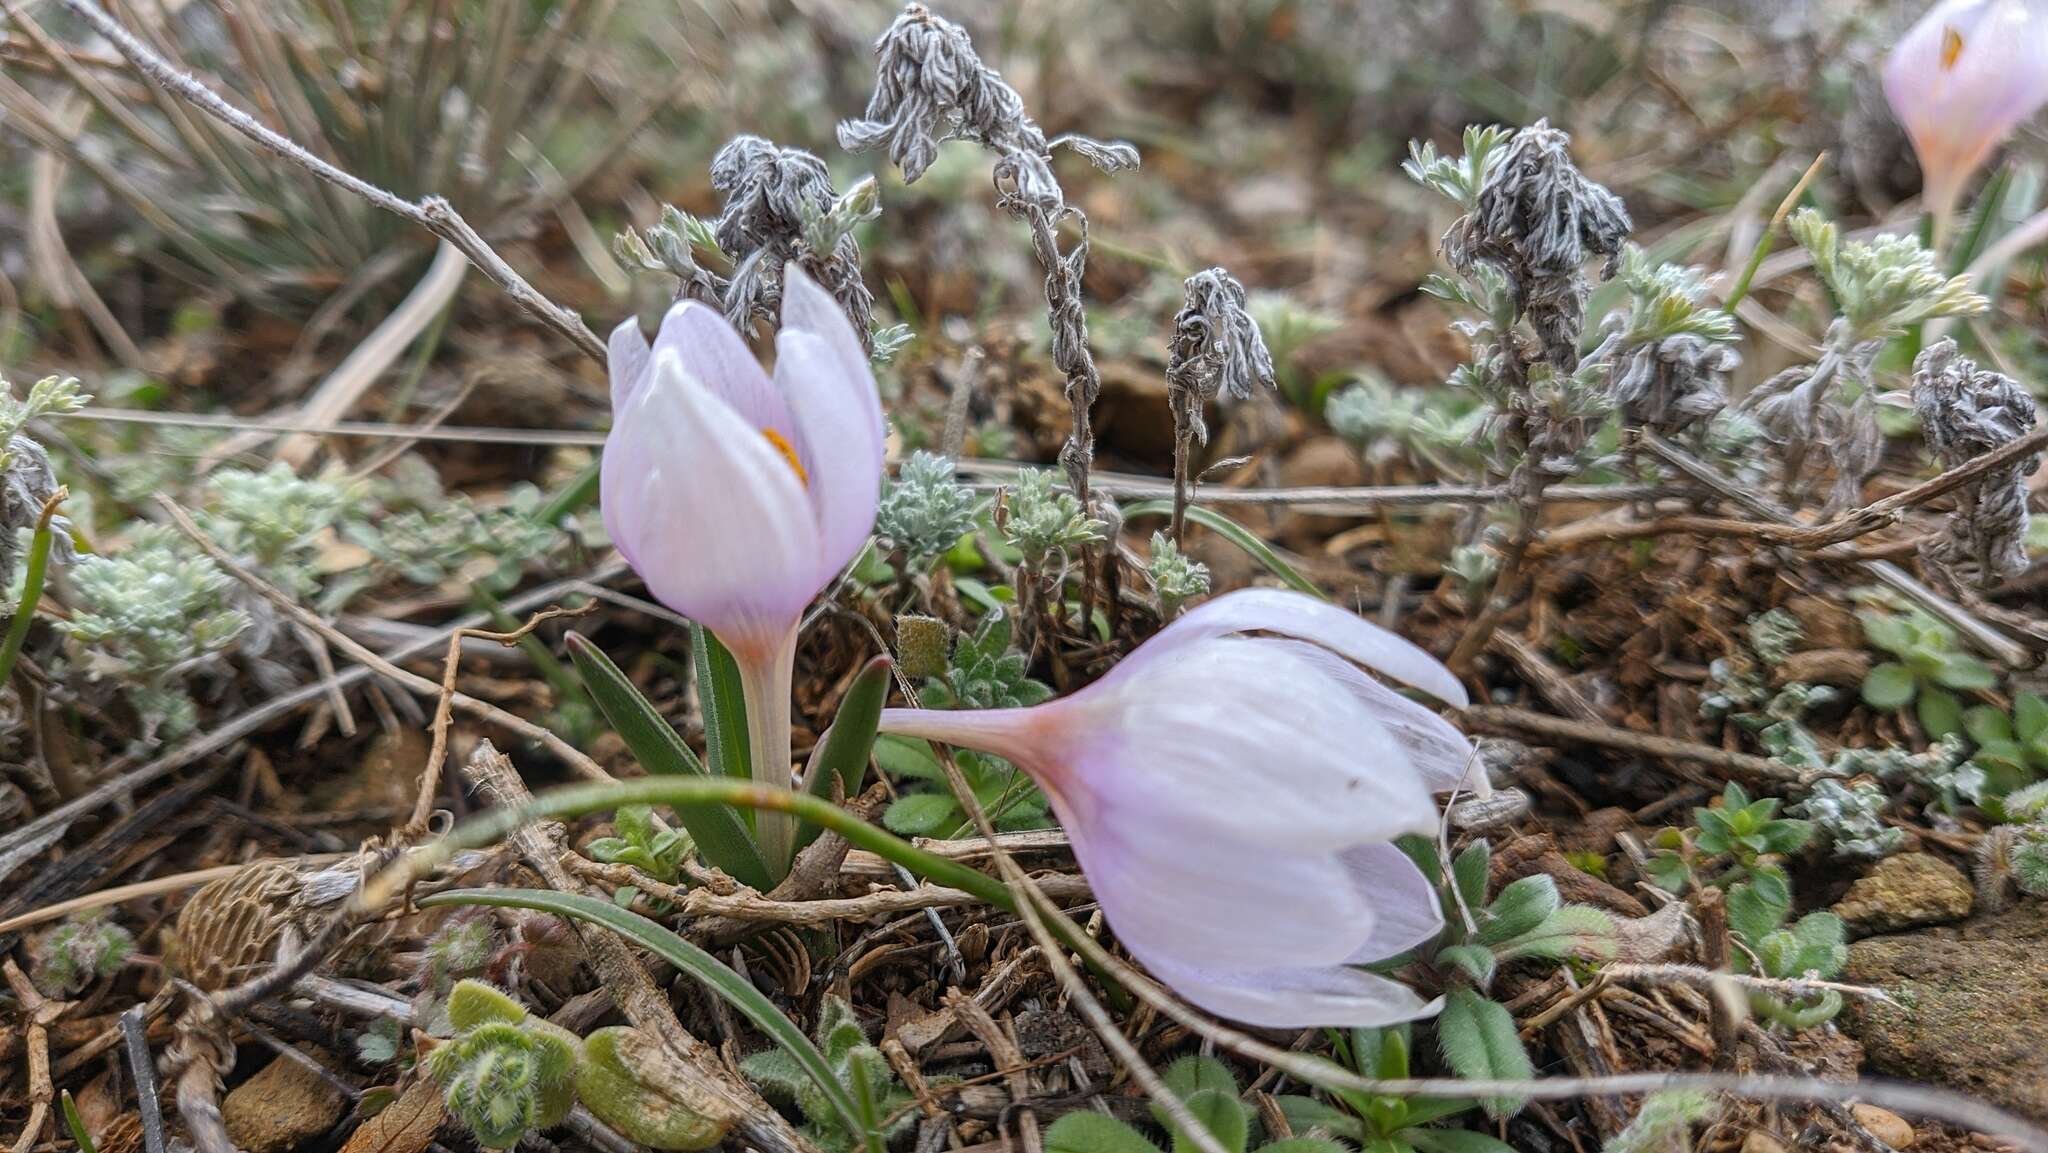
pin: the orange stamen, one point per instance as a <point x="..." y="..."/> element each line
<point x="788" y="453"/>
<point x="1951" y="47"/>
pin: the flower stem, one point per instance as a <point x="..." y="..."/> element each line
<point x="767" y="684"/>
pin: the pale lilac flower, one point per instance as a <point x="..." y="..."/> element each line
<point x="1233" y="799"/>
<point x="738" y="497"/>
<point x="1960" y="80"/>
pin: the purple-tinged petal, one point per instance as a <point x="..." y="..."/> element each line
<point x="711" y="514"/>
<point x="837" y="417"/>
<point x="808" y="308"/>
<point x="712" y="352"/>
<point x="1405" y="905"/>
<point x="1443" y="755"/>
<point x="1239" y="739"/>
<point x="1199" y="897"/>
<point x="628" y="362"/>
<point x="1961" y="80"/>
<point x="1293" y="997"/>
<point x="1305" y="618"/>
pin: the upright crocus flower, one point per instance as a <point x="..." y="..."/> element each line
<point x="1960" y="80"/>
<point x="738" y="497"/>
<point x="1232" y="799"/>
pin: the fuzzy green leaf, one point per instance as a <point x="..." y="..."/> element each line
<point x="921" y="814"/>
<point x="1889" y="686"/>
<point x="1479" y="1042"/>
<point x="1086" y="1131"/>
<point x="1454" y="1141"/>
<point x="729" y="986"/>
<point x="1521" y="906"/>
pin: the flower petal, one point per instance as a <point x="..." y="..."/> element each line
<point x="711" y="351"/>
<point x="838" y="417"/>
<point x="1293" y="997"/>
<point x="1197" y="896"/>
<point x="1962" y="79"/>
<point x="808" y="308"/>
<point x="1443" y="755"/>
<point x="1406" y="911"/>
<point x="1239" y="739"/>
<point x="628" y="362"/>
<point x="710" y="514"/>
<point x="1306" y="618"/>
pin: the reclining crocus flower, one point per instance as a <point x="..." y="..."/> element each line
<point x="1233" y="798"/>
<point x="1960" y="80"/>
<point x="738" y="497"/>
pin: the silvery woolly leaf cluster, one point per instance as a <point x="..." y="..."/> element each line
<point x="1538" y="220"/>
<point x="27" y="481"/>
<point x="1217" y="349"/>
<point x="924" y="511"/>
<point x="1966" y="411"/>
<point x="779" y="207"/>
<point x="1799" y="409"/>
<point x="1851" y="817"/>
<point x="931" y="87"/>
<point x="1669" y="357"/>
<point x="1883" y="287"/>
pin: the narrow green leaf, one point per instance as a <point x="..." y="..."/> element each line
<point x="31" y="592"/>
<point x="844" y="751"/>
<point x="725" y="706"/>
<point x="76" y="1124"/>
<point x="720" y="832"/>
<point x="1236" y="534"/>
<point x="729" y="986"/>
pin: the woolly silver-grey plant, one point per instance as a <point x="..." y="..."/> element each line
<point x="1965" y="412"/>
<point x="1217" y="349"/>
<point x="1538" y="219"/>
<point x="930" y="87"/>
<point x="779" y="207"/>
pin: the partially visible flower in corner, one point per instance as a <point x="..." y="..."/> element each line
<point x="1233" y="800"/>
<point x="1960" y="80"/>
<point x="737" y="497"/>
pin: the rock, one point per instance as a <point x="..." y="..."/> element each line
<point x="1759" y="1141"/>
<point x="1884" y="1125"/>
<point x="1904" y="891"/>
<point x="1972" y="1007"/>
<point x="281" y="1108"/>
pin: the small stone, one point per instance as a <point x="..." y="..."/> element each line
<point x="281" y="1108"/>
<point x="1904" y="891"/>
<point x="1759" y="1141"/>
<point x="1884" y="1125"/>
<point x="1968" y="1008"/>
